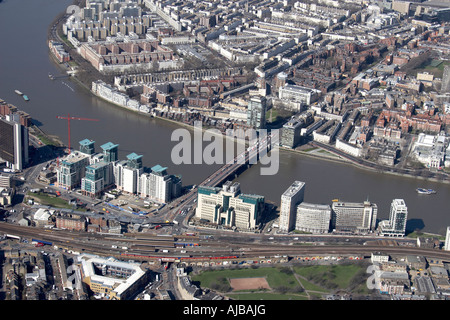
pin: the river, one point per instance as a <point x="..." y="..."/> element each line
<point x="25" y="65"/>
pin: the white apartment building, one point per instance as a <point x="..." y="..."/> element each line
<point x="126" y="177"/>
<point x="348" y="148"/>
<point x="228" y="207"/>
<point x="158" y="185"/>
<point x="396" y="225"/>
<point x="130" y="177"/>
<point x="314" y="218"/>
<point x="447" y="240"/>
<point x="111" y="94"/>
<point x="155" y="187"/>
<point x="289" y="201"/>
<point x="118" y="173"/>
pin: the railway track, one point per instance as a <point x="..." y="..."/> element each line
<point x="98" y="244"/>
<point x="252" y="252"/>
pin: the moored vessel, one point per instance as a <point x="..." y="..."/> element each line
<point x="425" y="191"/>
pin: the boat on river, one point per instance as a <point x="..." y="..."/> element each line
<point x="24" y="96"/>
<point x="425" y="191"/>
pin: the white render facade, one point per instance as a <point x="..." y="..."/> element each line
<point x="126" y="178"/>
<point x="447" y="240"/>
<point x="396" y="225"/>
<point x="289" y="201"/>
<point x="314" y="218"/>
<point x="155" y="187"/>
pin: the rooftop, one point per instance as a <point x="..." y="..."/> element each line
<point x="299" y="89"/>
<point x="86" y="142"/>
<point x="294" y="188"/>
<point x="74" y="157"/>
<point x="314" y="206"/>
<point x="158" y="168"/>
<point x="133" y="156"/>
<point x="43" y="214"/>
<point x="109" y="146"/>
<point x="120" y="285"/>
<point x="97" y="165"/>
<point x="399" y="202"/>
<point x="352" y="204"/>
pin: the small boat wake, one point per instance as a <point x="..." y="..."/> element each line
<point x="68" y="86"/>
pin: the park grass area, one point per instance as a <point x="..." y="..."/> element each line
<point x="311" y="287"/>
<point x="435" y="67"/>
<point x="417" y="234"/>
<point x="66" y="41"/>
<point x="310" y="149"/>
<point x="331" y="277"/>
<point x="430" y="65"/>
<point x="286" y="283"/>
<point x="271" y="115"/>
<point x="277" y="117"/>
<point x="327" y="153"/>
<point x="46" y="140"/>
<point x="274" y="276"/>
<point x="46" y="200"/>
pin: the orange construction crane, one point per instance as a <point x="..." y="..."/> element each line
<point x="68" y="118"/>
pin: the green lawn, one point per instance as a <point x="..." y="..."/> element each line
<point x="46" y="200"/>
<point x="431" y="66"/>
<point x="66" y="41"/>
<point x="47" y="141"/>
<point x="311" y="281"/>
<point x="332" y="277"/>
<point x="312" y="287"/>
<point x="416" y="235"/>
<point x="310" y="149"/>
<point x="274" y="114"/>
<point x="325" y="152"/>
<point x="275" y="278"/>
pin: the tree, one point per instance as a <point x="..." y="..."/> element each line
<point x="286" y="270"/>
<point x="282" y="289"/>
